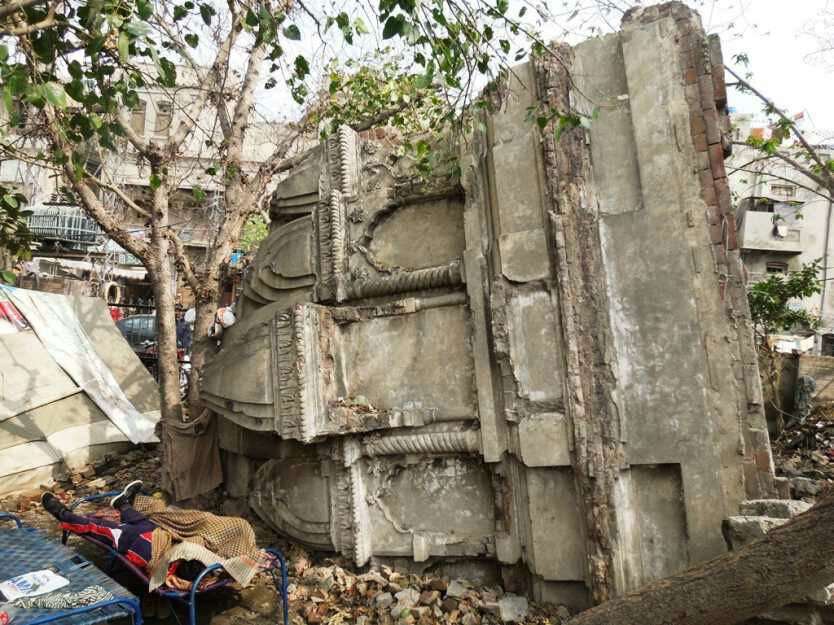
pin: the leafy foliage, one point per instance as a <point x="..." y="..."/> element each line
<point x="770" y="300"/>
<point x="254" y="231"/>
<point x="15" y="236"/>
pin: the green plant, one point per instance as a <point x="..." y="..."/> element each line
<point x="770" y="300"/>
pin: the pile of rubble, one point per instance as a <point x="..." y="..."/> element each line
<point x="804" y="453"/>
<point x="323" y="591"/>
<point x="109" y="473"/>
<point x="332" y="594"/>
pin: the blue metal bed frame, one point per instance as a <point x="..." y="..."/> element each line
<point x="189" y="597"/>
<point x="24" y="549"/>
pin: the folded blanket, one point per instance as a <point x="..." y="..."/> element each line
<point x="65" y="600"/>
<point x="202" y="536"/>
<point x="241" y="568"/>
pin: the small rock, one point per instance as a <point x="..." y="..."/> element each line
<point x="563" y="613"/>
<point x="470" y="618"/>
<point x="512" y="608"/>
<point x="408" y="597"/>
<point x="383" y="600"/>
<point x="97" y="484"/>
<point x="88" y="472"/>
<point x="429" y="597"/>
<point x="456" y="588"/>
<point x="438" y="584"/>
<point x="823" y="597"/>
<point x="449" y="604"/>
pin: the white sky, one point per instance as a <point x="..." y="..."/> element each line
<point x="773" y="33"/>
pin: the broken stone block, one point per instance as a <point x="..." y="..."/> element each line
<point x="512" y="608"/>
<point x="384" y="599"/>
<point x="408" y="597"/>
<point x="804" y="487"/>
<point x="793" y="615"/>
<point x="774" y="508"/>
<point x="456" y="588"/>
<point x="429" y="597"/>
<point x="740" y="530"/>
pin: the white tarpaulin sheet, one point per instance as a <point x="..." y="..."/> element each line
<point x="54" y="321"/>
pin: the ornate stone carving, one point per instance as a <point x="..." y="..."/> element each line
<point x="508" y="370"/>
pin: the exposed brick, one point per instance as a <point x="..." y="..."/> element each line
<point x="708" y="193"/>
<point x="730" y="234"/>
<point x="719" y="87"/>
<point x="722" y="191"/>
<point x="696" y="122"/>
<point x="711" y="124"/>
<point x="687" y="59"/>
<point x="716" y="161"/>
<point x="690" y="76"/>
<point x="706" y="92"/>
<point x="700" y="141"/>
<point x="763" y="461"/>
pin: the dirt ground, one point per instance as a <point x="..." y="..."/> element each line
<point x="322" y="590"/>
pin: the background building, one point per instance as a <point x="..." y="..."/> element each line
<point x="784" y="221"/>
<point x="70" y="244"/>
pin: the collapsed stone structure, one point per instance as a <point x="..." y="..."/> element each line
<point x="544" y="369"/>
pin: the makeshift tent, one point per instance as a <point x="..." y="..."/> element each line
<point x="71" y="388"/>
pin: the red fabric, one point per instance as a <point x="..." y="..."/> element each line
<point x="116" y="313"/>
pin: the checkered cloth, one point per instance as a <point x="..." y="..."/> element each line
<point x="201" y="536"/>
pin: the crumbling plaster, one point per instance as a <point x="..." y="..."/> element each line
<point x="545" y="368"/>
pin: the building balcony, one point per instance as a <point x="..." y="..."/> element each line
<point x="758" y="231"/>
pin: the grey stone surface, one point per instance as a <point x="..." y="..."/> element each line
<point x="741" y="530"/>
<point x="777" y="508"/>
<point x="436" y="371"/>
<point x="512" y="608"/>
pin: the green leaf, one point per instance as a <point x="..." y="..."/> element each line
<point x="198" y="193"/>
<point x="211" y="171"/>
<point x="192" y="40"/>
<point x="154" y="182"/>
<point x="360" y="27"/>
<point x="206" y="12"/>
<point x="505" y="46"/>
<point x="124" y="47"/>
<point x="302" y="67"/>
<point x="394" y="25"/>
<point x="292" y="32"/>
<point x="4" y="54"/>
<point x="167" y="72"/>
<point x="8" y="277"/>
<point x="54" y="93"/>
<point x="10" y="200"/>
<point x="179" y="13"/>
<point x="144" y="9"/>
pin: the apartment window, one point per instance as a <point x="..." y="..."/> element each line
<point x="788" y="190"/>
<point x="776" y="267"/>
<point x="137" y="118"/>
<point x="164" y="115"/>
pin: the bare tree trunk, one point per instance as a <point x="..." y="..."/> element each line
<point x="782" y="567"/>
<point x="202" y="346"/>
<point x="162" y="277"/>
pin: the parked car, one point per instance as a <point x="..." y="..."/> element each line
<point x="138" y="330"/>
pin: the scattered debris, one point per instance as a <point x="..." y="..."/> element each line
<point x="804" y="452"/>
<point x="323" y="589"/>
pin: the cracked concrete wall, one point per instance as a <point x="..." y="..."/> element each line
<point x="544" y="369"/>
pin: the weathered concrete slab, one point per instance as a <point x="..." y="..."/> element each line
<point x="546" y="366"/>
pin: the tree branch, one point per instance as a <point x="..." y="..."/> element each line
<point x="17" y="5"/>
<point x="183" y="262"/>
<point x="794" y="130"/>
